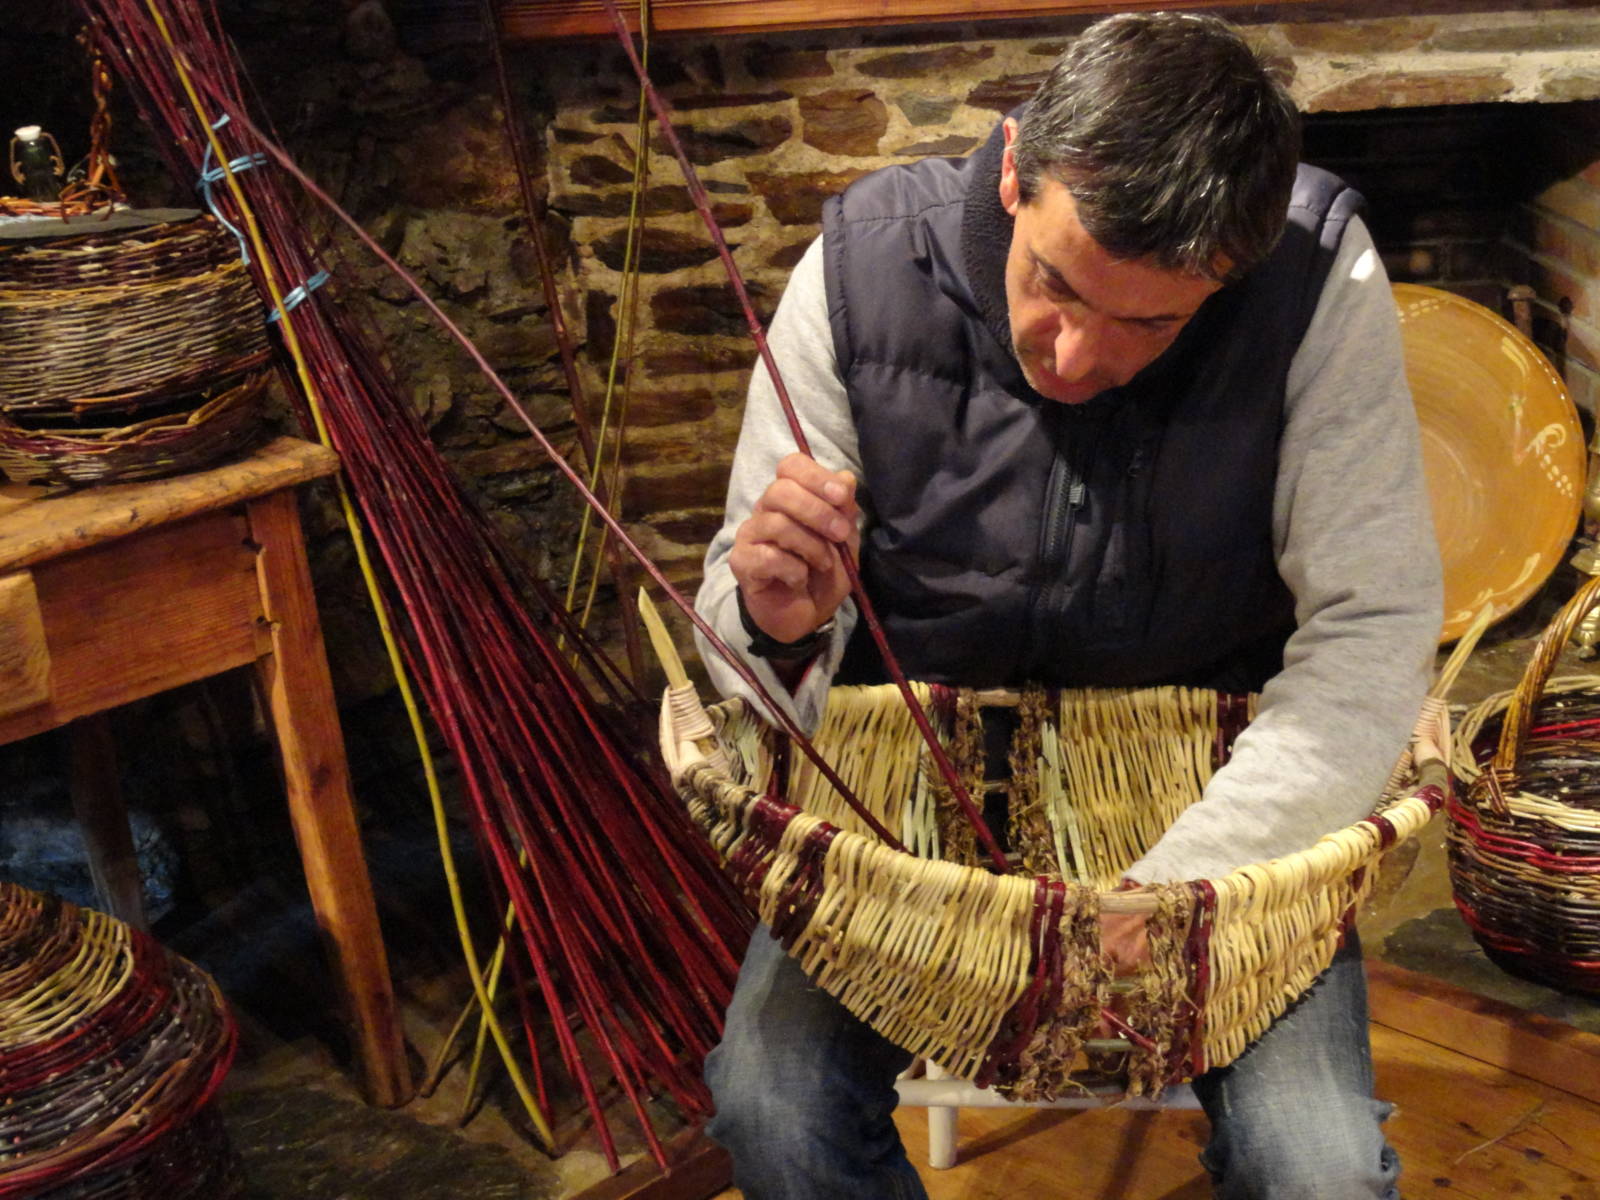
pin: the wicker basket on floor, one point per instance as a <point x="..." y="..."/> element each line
<point x="111" y="1053"/>
<point x="998" y="978"/>
<point x="1524" y="841"/>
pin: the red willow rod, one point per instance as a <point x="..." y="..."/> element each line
<point x="702" y="205"/>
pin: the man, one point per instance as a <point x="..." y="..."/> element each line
<point x="1115" y="421"/>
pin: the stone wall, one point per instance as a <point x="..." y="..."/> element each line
<point x="776" y="124"/>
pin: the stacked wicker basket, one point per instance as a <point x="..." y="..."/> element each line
<point x="111" y="1053"/>
<point x="130" y="354"/>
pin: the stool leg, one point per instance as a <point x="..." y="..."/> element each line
<point x="294" y="679"/>
<point x="941" y="1127"/>
<point x="103" y="817"/>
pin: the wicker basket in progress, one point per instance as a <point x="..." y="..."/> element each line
<point x="1524" y="841"/>
<point x="111" y="1053"/>
<point x="999" y="978"/>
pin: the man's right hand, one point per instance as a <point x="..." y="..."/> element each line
<point x="783" y="555"/>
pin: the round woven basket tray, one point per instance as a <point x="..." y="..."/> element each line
<point x="119" y="318"/>
<point x="213" y="426"/>
<point x="1524" y="841"/>
<point x="111" y="1053"/>
<point x="999" y="978"/>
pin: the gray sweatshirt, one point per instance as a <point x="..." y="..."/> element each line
<point x="1353" y="535"/>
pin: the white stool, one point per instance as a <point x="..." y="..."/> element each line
<point x="944" y="1097"/>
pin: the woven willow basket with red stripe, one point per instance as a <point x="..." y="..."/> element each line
<point x="112" y="1049"/>
<point x="217" y="423"/>
<point x="116" y="320"/>
<point x="1524" y="841"/>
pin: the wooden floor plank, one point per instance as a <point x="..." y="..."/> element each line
<point x="1070" y="1154"/>
<point x="1464" y="1128"/>
<point x="1528" y="1044"/>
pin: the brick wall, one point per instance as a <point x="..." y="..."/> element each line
<point x="1441" y="185"/>
<point x="1554" y="244"/>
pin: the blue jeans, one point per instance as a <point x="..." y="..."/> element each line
<point x="805" y="1093"/>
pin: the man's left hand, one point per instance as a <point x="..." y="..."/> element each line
<point x="1125" y="946"/>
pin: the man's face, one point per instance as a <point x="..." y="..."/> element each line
<point x="1081" y="320"/>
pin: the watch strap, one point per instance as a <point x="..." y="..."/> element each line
<point x="764" y="645"/>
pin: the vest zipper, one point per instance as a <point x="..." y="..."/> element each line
<point x="1065" y="496"/>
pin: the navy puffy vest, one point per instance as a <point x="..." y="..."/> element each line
<point x="1127" y="541"/>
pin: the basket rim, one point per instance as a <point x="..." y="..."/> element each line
<point x="1393" y="819"/>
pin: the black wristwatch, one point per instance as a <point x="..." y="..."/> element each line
<point x="764" y="645"/>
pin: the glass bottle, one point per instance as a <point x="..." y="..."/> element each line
<point x="36" y="163"/>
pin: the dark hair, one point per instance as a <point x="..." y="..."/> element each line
<point x="1175" y="138"/>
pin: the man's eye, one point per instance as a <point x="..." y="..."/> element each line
<point x="1055" y="286"/>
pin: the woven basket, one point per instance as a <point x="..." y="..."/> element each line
<point x="999" y="978"/>
<point x="111" y="1053"/>
<point x="124" y="318"/>
<point x="1524" y="843"/>
<point x="216" y="425"/>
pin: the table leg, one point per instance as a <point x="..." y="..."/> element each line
<point x="97" y="803"/>
<point x="294" y="678"/>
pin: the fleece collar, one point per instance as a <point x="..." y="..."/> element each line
<point x="986" y="229"/>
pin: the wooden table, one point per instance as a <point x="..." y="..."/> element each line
<point x="111" y="594"/>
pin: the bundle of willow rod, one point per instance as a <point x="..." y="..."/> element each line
<point x="1524" y="841"/>
<point x="999" y="978"/>
<point x="111" y="1053"/>
<point x="623" y="924"/>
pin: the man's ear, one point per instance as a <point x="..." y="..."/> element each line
<point x="1010" y="189"/>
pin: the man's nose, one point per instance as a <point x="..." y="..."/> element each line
<point x="1079" y="346"/>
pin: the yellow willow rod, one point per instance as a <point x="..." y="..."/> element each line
<point x="439" y="1065"/>
<point x="628" y="304"/>
<point x="626" y="301"/>
<point x="496" y="966"/>
<point x="369" y="576"/>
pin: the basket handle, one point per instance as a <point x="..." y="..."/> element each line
<point x="1519" y="713"/>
